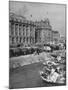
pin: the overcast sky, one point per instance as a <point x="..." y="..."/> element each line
<point x="38" y="11"/>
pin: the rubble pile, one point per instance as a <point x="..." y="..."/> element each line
<point x="54" y="71"/>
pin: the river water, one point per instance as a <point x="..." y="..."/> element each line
<point x="27" y="77"/>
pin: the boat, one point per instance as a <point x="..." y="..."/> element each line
<point x="50" y="81"/>
<point x="50" y="75"/>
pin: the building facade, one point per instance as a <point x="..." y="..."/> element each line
<point x="44" y="30"/>
<point x="28" y="33"/>
<point x="21" y="31"/>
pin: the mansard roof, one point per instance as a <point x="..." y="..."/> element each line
<point x="15" y="17"/>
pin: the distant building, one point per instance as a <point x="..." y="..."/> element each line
<point x="62" y="39"/>
<point x="55" y="37"/>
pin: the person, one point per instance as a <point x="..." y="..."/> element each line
<point x="35" y="53"/>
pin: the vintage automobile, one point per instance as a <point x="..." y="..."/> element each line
<point x="14" y="52"/>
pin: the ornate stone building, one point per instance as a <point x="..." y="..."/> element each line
<point x="28" y="33"/>
<point x="21" y="31"/>
<point x="44" y="30"/>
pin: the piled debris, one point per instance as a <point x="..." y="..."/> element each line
<point x="54" y="70"/>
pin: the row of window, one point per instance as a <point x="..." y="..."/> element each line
<point x="21" y="40"/>
<point x="19" y="30"/>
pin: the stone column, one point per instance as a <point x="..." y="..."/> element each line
<point x="22" y="33"/>
<point x="38" y="36"/>
<point x="14" y="33"/>
<point x="28" y="34"/>
<point x="14" y="28"/>
<point x="18" y="33"/>
<point x="18" y="30"/>
<point x="34" y="35"/>
<point x="9" y="28"/>
<point x="31" y="35"/>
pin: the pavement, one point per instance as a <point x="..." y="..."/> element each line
<point x="28" y="59"/>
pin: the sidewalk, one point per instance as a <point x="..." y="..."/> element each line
<point x="28" y="59"/>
